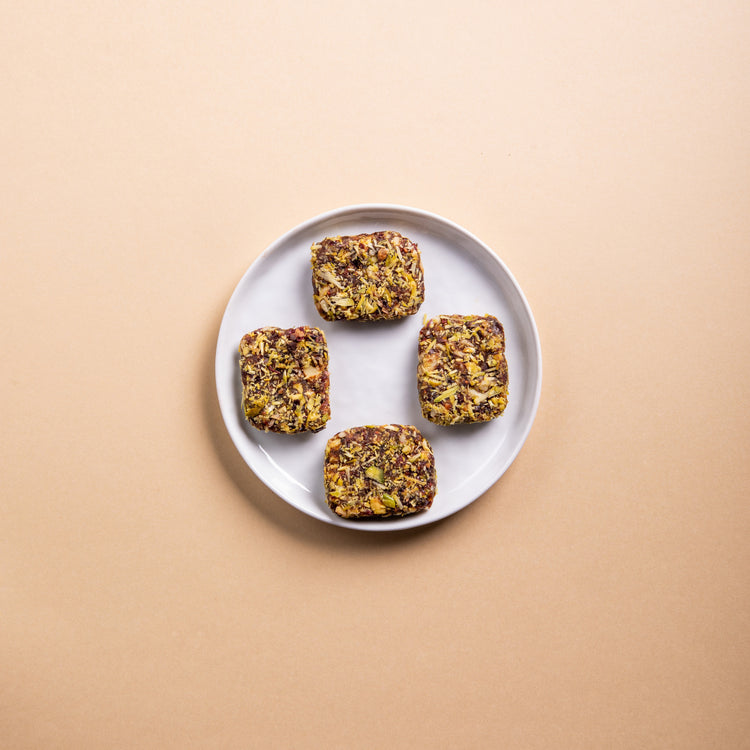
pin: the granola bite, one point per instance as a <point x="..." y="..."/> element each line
<point x="379" y="471"/>
<point x="462" y="373"/>
<point x="367" y="277"/>
<point x="285" y="379"/>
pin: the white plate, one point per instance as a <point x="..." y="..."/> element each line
<point x="373" y="364"/>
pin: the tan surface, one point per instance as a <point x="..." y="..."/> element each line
<point x="154" y="595"/>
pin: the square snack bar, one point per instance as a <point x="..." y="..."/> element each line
<point x="462" y="373"/>
<point x="378" y="471"/>
<point x="285" y="381"/>
<point x="367" y="277"/>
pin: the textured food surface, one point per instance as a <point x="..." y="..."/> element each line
<point x="367" y="277"/>
<point x="384" y="470"/>
<point x="285" y="381"/>
<point x="462" y="373"/>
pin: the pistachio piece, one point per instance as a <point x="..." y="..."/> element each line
<point x="388" y="500"/>
<point x="376" y="473"/>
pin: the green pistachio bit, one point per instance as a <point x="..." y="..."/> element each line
<point x="388" y="500"/>
<point x="376" y="473"/>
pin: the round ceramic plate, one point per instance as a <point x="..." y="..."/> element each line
<point x="373" y="364"/>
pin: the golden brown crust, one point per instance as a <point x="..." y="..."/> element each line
<point x="379" y="471"/>
<point x="285" y="379"/>
<point x="462" y="373"/>
<point x="367" y="277"/>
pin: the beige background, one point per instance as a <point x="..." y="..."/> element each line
<point x="153" y="594"/>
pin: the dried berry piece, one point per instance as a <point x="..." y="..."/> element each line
<point x="462" y="373"/>
<point x="285" y="379"/>
<point x="367" y="277"/>
<point x="385" y="470"/>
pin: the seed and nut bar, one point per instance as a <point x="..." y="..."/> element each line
<point x="462" y="373"/>
<point x="367" y="277"/>
<point x="285" y="379"/>
<point x="385" y="470"/>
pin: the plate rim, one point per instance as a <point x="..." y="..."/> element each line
<point x="420" y="519"/>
